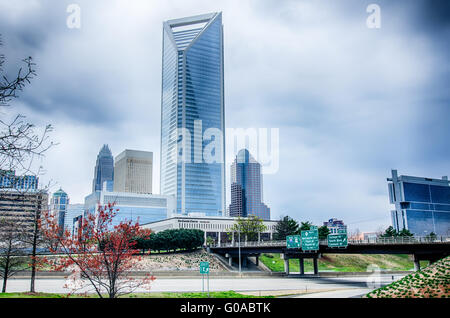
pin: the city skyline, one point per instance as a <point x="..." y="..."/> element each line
<point x="337" y="120"/>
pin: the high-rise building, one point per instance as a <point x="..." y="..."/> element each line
<point x="9" y="180"/>
<point x="21" y="202"/>
<point x="192" y="100"/>
<point x="246" y="188"/>
<point x="133" y="171"/>
<point x="58" y="207"/>
<point x="422" y="205"/>
<point x="23" y="208"/>
<point x="104" y="168"/>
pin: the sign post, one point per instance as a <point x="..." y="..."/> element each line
<point x="204" y="269"/>
<point x="310" y="240"/>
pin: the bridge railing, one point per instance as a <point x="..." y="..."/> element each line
<point x="377" y="240"/>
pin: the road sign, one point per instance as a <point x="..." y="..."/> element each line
<point x="342" y="231"/>
<point x="293" y="241"/>
<point x="204" y="267"/>
<point x="337" y="240"/>
<point x="310" y="240"/>
<point x="313" y="227"/>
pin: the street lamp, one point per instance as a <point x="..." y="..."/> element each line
<point x="239" y="231"/>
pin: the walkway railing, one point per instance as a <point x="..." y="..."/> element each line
<point x="378" y="241"/>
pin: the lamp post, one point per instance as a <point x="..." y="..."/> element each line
<point x="239" y="231"/>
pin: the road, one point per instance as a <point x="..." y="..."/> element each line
<point x="335" y="287"/>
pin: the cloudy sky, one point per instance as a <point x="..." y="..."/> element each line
<point x="350" y="102"/>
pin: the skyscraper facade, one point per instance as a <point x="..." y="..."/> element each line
<point x="422" y="205"/>
<point x="133" y="171"/>
<point x="193" y="100"/>
<point x="104" y="168"/>
<point x="58" y="206"/>
<point x="246" y="188"/>
<point x="73" y="212"/>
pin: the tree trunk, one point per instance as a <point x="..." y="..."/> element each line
<point x="5" y="276"/>
<point x="35" y="235"/>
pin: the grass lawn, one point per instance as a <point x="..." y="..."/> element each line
<point x="226" y="294"/>
<point x="343" y="263"/>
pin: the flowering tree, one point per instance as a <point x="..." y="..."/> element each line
<point x="100" y="255"/>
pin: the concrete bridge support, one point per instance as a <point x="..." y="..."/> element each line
<point x="416" y="263"/>
<point x="302" y="266"/>
<point x="316" y="266"/>
<point x="286" y="266"/>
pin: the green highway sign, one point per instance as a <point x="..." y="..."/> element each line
<point x="204" y="267"/>
<point x="313" y="227"/>
<point x="293" y="241"/>
<point x="342" y="231"/>
<point x="310" y="240"/>
<point x="337" y="240"/>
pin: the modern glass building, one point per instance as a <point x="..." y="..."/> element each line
<point x="58" y="206"/>
<point x="192" y="99"/>
<point x="135" y="207"/>
<point x="104" y="168"/>
<point x="422" y="205"/>
<point x="72" y="213"/>
<point x="246" y="188"/>
<point x="9" y="180"/>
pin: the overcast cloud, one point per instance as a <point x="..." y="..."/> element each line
<point x="350" y="102"/>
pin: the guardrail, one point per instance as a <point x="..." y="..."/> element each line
<point x="378" y="241"/>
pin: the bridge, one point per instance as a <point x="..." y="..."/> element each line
<point x="422" y="248"/>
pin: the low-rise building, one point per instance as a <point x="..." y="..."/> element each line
<point x="422" y="205"/>
<point x="215" y="227"/>
<point x="135" y="207"/>
<point x="335" y="226"/>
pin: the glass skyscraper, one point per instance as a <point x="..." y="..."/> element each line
<point x="422" y="205"/>
<point x="104" y="169"/>
<point x="192" y="99"/>
<point x="246" y="188"/>
<point x="58" y="207"/>
<point x="9" y="180"/>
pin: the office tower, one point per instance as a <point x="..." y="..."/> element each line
<point x="133" y="171"/>
<point x="192" y="100"/>
<point x="246" y="188"/>
<point x="135" y="207"/>
<point x="9" y="180"/>
<point x="58" y="207"/>
<point x="104" y="168"/>
<point x="422" y="205"/>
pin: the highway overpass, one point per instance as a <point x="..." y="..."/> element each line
<point x="421" y="248"/>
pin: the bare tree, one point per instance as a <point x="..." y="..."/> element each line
<point x="20" y="144"/>
<point x="12" y="253"/>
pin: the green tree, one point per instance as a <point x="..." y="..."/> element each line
<point x="390" y="232"/>
<point x="405" y="233"/>
<point x="249" y="227"/>
<point x="285" y="226"/>
<point x="305" y="226"/>
<point x="323" y="232"/>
